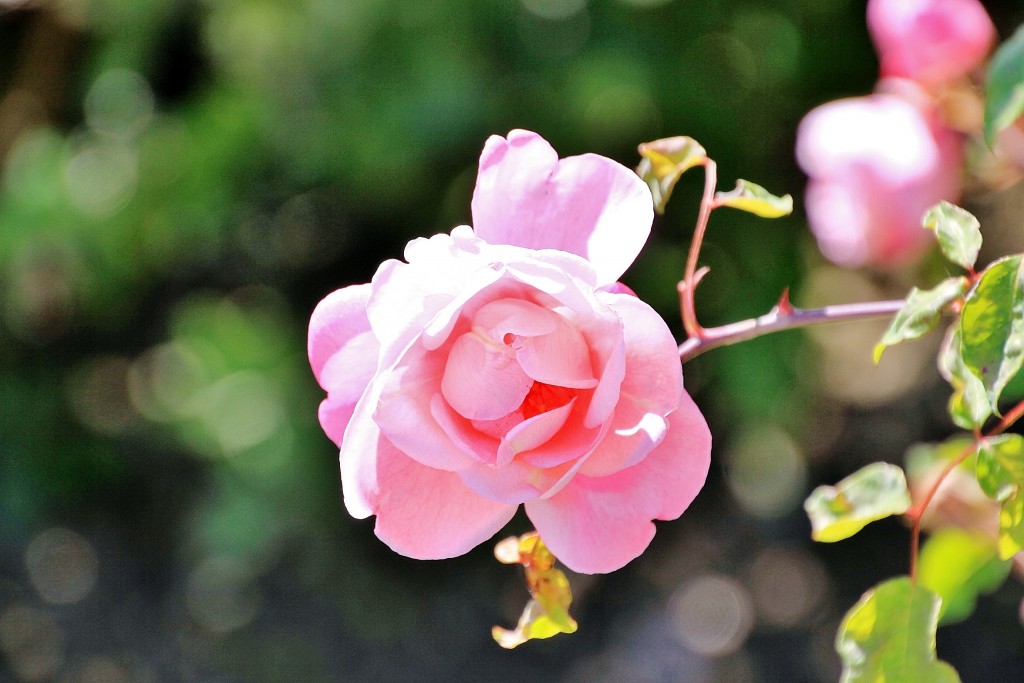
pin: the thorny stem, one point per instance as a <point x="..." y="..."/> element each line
<point x="690" y="324"/>
<point x="916" y="513"/>
<point x="783" y="318"/>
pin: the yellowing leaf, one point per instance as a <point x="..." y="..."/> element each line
<point x="664" y="161"/>
<point x="756" y="200"/>
<point x="869" y="494"/>
<point x="547" y="613"/>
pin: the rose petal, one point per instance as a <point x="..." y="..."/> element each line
<point x="335" y="320"/>
<point x="653" y="376"/>
<point x="533" y="432"/>
<point x="618" y="288"/>
<point x="587" y="205"/>
<point x="634" y="433"/>
<point x="422" y="298"/>
<point x="514" y="316"/>
<point x="513" y="483"/>
<point x="358" y="456"/>
<point x="841" y="222"/>
<point x="334" y="416"/>
<point x="572" y="442"/>
<point x="404" y="412"/>
<point x="482" y="380"/>
<point x="598" y="524"/>
<point x="343" y="354"/>
<point x="560" y="358"/>
<point x="478" y="444"/>
<point x="428" y="514"/>
<point x="606" y="394"/>
<point x="345" y="376"/>
<point x="650" y="383"/>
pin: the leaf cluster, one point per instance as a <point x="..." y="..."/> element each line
<point x="890" y="633"/>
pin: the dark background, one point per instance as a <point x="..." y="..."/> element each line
<point x="183" y="180"/>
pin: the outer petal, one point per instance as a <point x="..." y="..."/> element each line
<point x="346" y="376"/>
<point x="335" y="320"/>
<point x="428" y="514"/>
<point x="653" y="376"/>
<point x="587" y="205"/>
<point x="358" y="457"/>
<point x="598" y="524"/>
<point x="409" y="299"/>
<point x="651" y="385"/>
<point x="342" y="353"/>
<point x="633" y="435"/>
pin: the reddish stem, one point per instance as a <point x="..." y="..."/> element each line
<point x="782" y="317"/>
<point x="916" y="513"/>
<point x="1015" y="414"/>
<point x="689" y="284"/>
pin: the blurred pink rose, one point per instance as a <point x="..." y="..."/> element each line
<point x="930" y="41"/>
<point x="875" y="165"/>
<point x="504" y="366"/>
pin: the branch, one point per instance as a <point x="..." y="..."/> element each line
<point x="916" y="513"/>
<point x="783" y="317"/>
<point x="691" y="277"/>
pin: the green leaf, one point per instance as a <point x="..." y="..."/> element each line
<point x="1000" y="471"/>
<point x="756" y="200"/>
<point x="921" y="313"/>
<point x="958" y="566"/>
<point x="889" y="637"/>
<point x="664" y="161"/>
<point x="874" y="492"/>
<point x="958" y="232"/>
<point x="968" y="406"/>
<point x="1004" y="96"/>
<point x="1011" y="526"/>
<point x="992" y="326"/>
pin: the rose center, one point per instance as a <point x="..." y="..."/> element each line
<point x="544" y="397"/>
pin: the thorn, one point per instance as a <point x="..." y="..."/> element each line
<point x="697" y="277"/>
<point x="784" y="307"/>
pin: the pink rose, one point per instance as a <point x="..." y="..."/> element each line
<point x="930" y="41"/>
<point x="503" y="366"/>
<point x="875" y="165"/>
